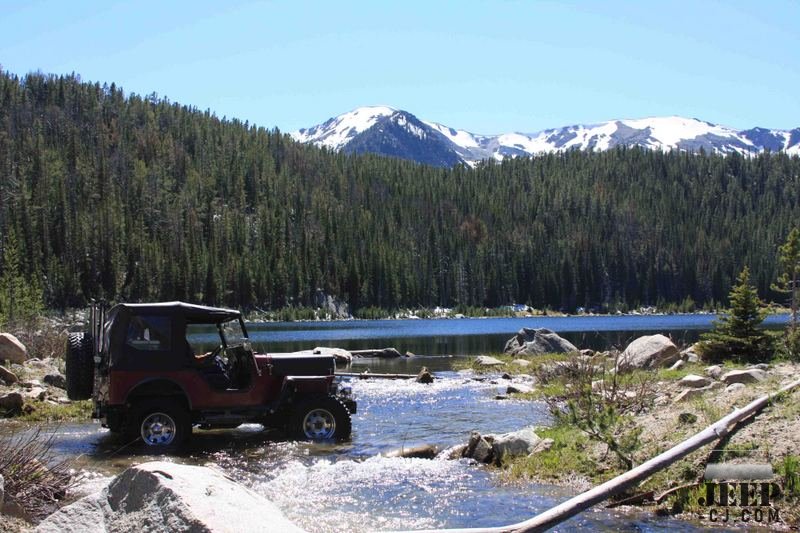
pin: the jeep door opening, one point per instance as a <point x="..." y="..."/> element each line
<point x="148" y="380"/>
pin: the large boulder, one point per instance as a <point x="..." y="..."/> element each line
<point x="514" y="444"/>
<point x="529" y="341"/>
<point x="161" y="496"/>
<point x="650" y="351"/>
<point x="12" y="349"/>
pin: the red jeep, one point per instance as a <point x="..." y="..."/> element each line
<point x="147" y="379"/>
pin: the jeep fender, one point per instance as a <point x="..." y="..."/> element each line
<point x="157" y="387"/>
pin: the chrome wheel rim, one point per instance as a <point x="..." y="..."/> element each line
<point x="158" y="429"/>
<point x="319" y="424"/>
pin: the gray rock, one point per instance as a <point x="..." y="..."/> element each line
<point x="760" y="366"/>
<point x="56" y="380"/>
<point x="12" y="402"/>
<point x="514" y="444"/>
<point x="2" y="492"/>
<point x="693" y="381"/>
<point x="521" y="362"/>
<point x="751" y="375"/>
<point x="650" y="351"/>
<point x="692" y="357"/>
<point x="424" y="376"/>
<point x="342" y="357"/>
<point x="479" y="448"/>
<point x="714" y="371"/>
<point x="518" y="388"/>
<point x="485" y="360"/>
<point x="531" y="341"/>
<point x="161" y="496"/>
<point x="505" y="375"/>
<point x="733" y="387"/>
<point x="8" y="376"/>
<point x="587" y="352"/>
<point x="12" y="349"/>
<point x="680" y="363"/>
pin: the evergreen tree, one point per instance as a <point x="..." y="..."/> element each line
<point x="20" y="298"/>
<point x="789" y="262"/>
<point x="737" y="335"/>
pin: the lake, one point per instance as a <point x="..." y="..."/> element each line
<point x="475" y="336"/>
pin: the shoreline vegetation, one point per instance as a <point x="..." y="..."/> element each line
<point x="71" y="317"/>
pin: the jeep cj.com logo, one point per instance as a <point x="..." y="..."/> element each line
<point x="740" y="493"/>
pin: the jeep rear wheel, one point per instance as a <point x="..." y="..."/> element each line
<point x="79" y="366"/>
<point x="323" y="418"/>
<point x="163" y="424"/>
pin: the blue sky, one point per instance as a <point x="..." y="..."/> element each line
<point x="488" y="67"/>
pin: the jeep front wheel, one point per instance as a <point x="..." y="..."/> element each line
<point x="163" y="424"/>
<point x="322" y="419"/>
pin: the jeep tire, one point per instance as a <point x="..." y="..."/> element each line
<point x="321" y="418"/>
<point x="79" y="366"/>
<point x="162" y="424"/>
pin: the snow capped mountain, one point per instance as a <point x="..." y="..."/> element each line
<point x="388" y="131"/>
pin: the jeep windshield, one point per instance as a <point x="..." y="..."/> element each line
<point x="233" y="332"/>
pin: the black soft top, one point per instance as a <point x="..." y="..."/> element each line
<point x="193" y="313"/>
<point x="172" y="318"/>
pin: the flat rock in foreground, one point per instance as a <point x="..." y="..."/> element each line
<point x="161" y="496"/>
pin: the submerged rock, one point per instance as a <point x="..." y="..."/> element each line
<point x="529" y="341"/>
<point x="161" y="496"/>
<point x="650" y="351"/>
<point x="424" y="376"/>
<point x="423" y="451"/>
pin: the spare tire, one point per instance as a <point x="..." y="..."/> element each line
<point x="80" y="366"/>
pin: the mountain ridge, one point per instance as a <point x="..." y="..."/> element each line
<point x="385" y="130"/>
